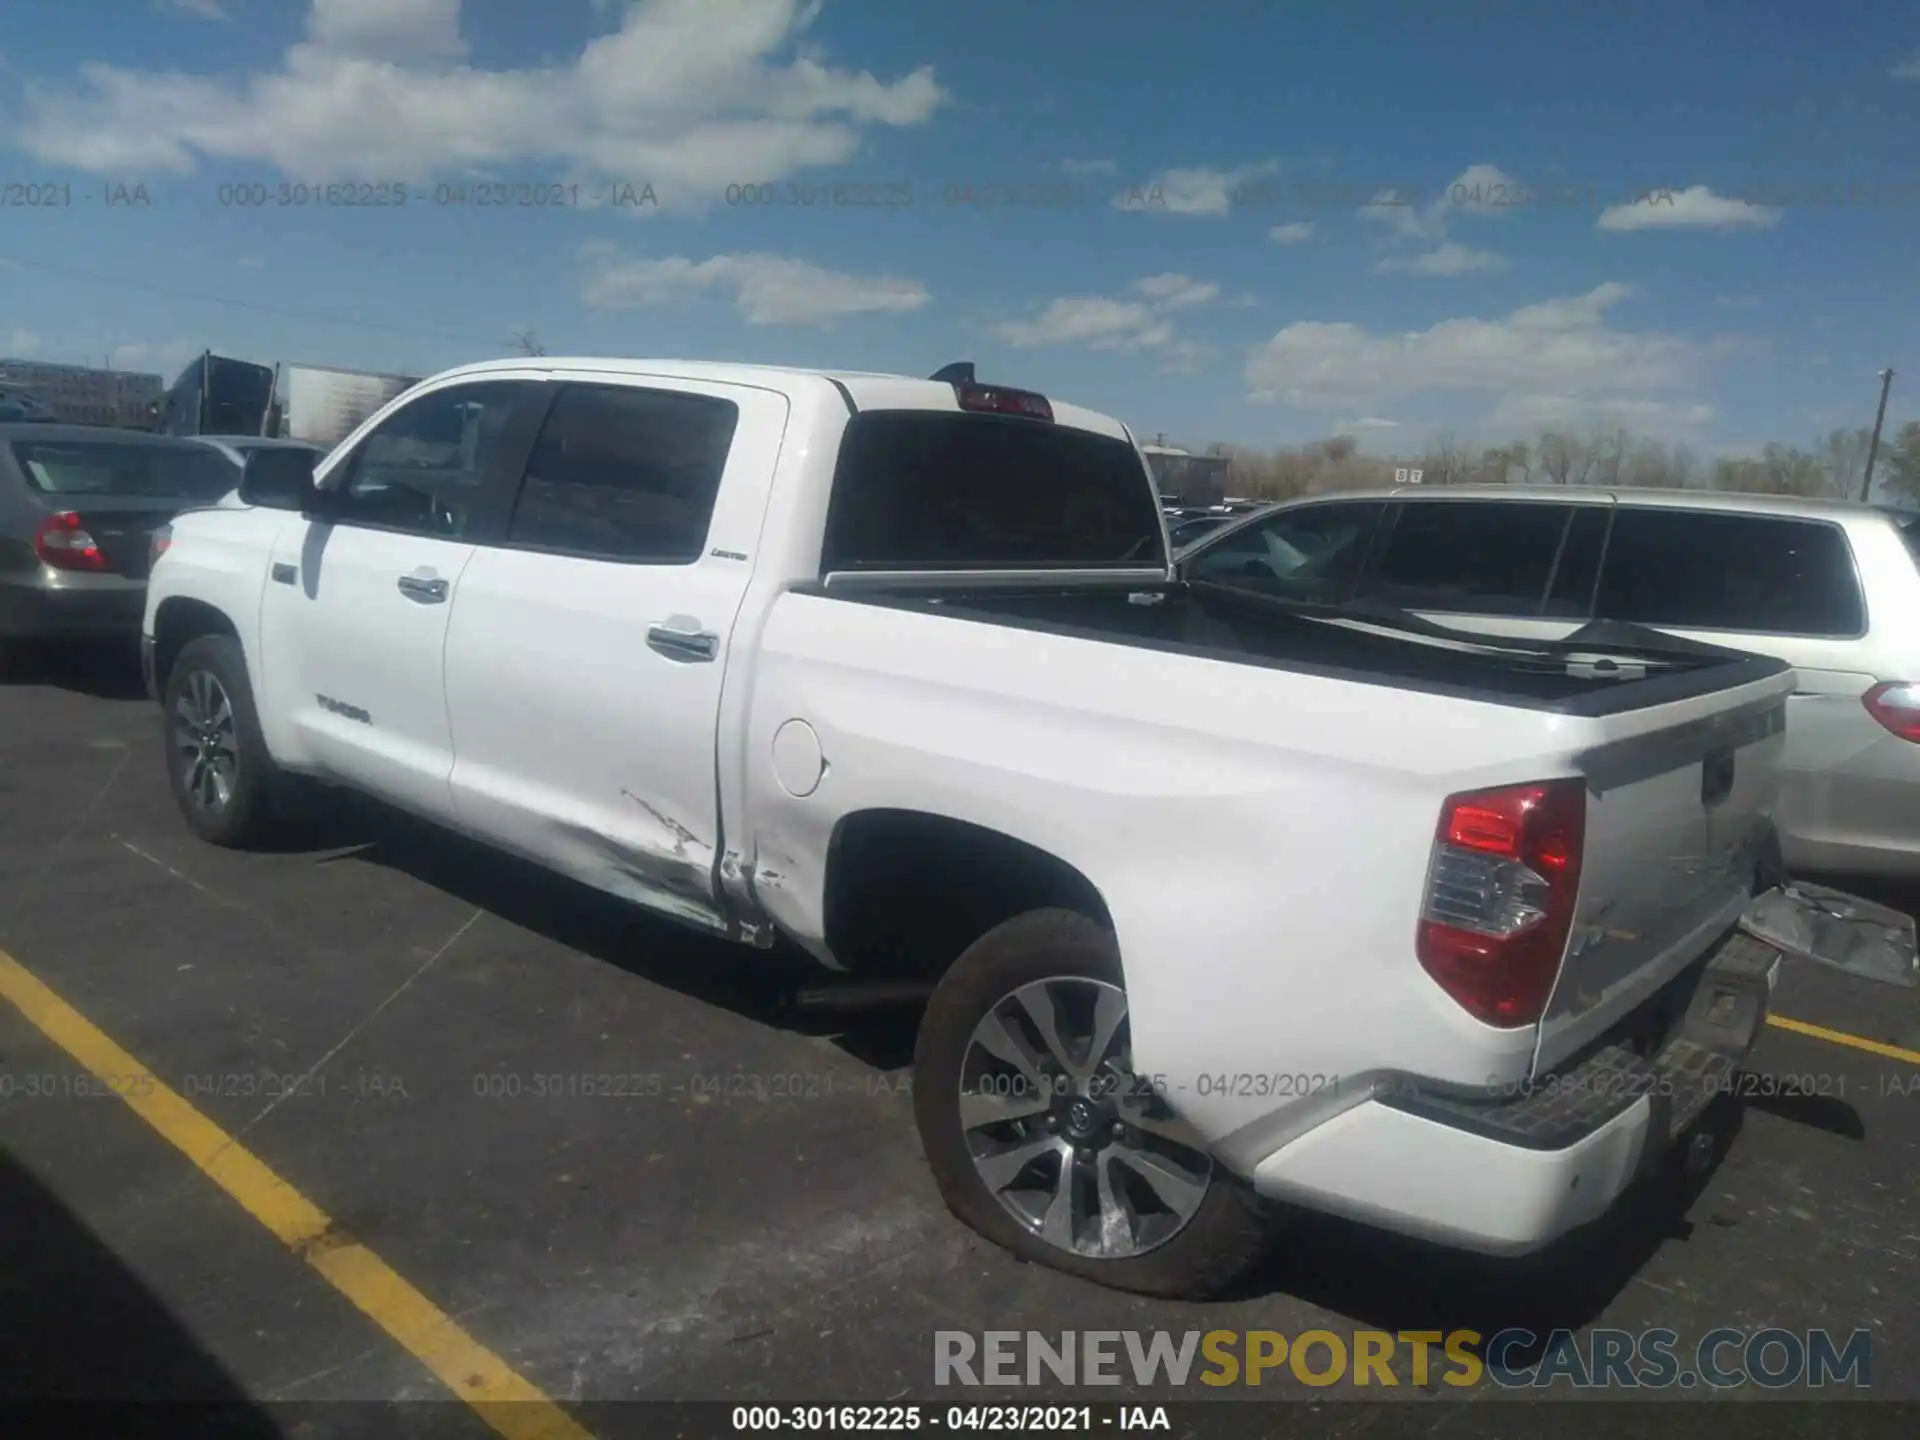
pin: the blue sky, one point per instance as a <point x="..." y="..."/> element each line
<point x="1182" y="232"/>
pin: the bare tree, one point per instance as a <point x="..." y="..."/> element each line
<point x="1901" y="467"/>
<point x="1446" y="462"/>
<point x="1843" y="457"/>
<point x="1777" y="470"/>
<point x="1608" y="448"/>
<point x="1564" y="459"/>
<point x="528" y="343"/>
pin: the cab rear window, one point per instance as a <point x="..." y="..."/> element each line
<point x="928" y="490"/>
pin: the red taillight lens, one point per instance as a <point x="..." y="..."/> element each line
<point x="62" y="541"/>
<point x="1896" y="705"/>
<point x="997" y="400"/>
<point x="1500" y="897"/>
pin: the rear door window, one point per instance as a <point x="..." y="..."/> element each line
<point x="926" y="490"/>
<point x="1703" y="570"/>
<point x="1312" y="553"/>
<point x="1492" y="557"/>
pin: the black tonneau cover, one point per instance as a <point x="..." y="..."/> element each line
<point x="1606" y="667"/>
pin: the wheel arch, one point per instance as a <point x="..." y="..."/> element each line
<point x="179" y="620"/>
<point x="907" y="890"/>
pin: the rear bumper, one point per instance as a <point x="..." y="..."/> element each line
<point x="1509" y="1173"/>
<point x="100" y="607"/>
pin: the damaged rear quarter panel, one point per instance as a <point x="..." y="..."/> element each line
<point x="1260" y="837"/>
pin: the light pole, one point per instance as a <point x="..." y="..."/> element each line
<point x="1873" y="445"/>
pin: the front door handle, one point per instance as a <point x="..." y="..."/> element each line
<point x="686" y="646"/>
<point x="427" y="592"/>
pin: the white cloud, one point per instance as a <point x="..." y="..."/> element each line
<point x="1197" y="190"/>
<point x="1176" y="291"/>
<point x="1737" y="302"/>
<point x="1449" y="259"/>
<point x="1088" y="167"/>
<point x="1366" y="422"/>
<point x="394" y="30"/>
<point x="164" y="358"/>
<point x="20" y="343"/>
<point x="1694" y="208"/>
<point x="195" y="9"/>
<point x="1096" y="321"/>
<point x="688" y="95"/>
<point x="1477" y="190"/>
<point x="766" y="289"/>
<point x="251" y="262"/>
<point x="1101" y="322"/>
<point x="1291" y="234"/>
<point x="1561" y="347"/>
<point x="1909" y="68"/>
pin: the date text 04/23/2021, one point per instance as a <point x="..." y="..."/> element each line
<point x="960" y="1419"/>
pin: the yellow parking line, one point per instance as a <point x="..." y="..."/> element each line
<point x="510" y="1404"/>
<point x="1840" y="1037"/>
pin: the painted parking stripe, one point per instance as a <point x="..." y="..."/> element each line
<point x="1840" y="1037"/>
<point x="511" y="1405"/>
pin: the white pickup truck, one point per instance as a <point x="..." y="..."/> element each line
<point x="1218" y="902"/>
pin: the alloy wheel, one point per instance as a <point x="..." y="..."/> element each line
<point x="1082" y="1152"/>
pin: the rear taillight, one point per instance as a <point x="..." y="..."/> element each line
<point x="1896" y="705"/>
<point x="62" y="541"/>
<point x="161" y="542"/>
<point x="1500" y="897"/>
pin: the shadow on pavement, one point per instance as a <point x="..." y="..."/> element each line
<point x="759" y="985"/>
<point x="105" y="670"/>
<point x="77" y="1325"/>
<point x="1389" y="1282"/>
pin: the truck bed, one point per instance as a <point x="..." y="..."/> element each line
<point x="1603" y="669"/>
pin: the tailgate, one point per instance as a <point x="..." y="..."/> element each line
<point x="1678" y="811"/>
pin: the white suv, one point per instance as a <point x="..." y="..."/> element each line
<point x="1831" y="587"/>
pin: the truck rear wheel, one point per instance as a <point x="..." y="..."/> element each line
<point x="217" y="760"/>
<point x="1042" y="1138"/>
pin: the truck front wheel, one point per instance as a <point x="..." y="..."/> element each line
<point x="217" y="760"/>
<point x="1042" y="1137"/>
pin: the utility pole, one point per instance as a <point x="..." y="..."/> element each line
<point x="1873" y="446"/>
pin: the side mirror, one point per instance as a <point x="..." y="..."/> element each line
<point x="278" y="479"/>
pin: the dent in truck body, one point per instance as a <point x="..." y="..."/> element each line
<point x="669" y="869"/>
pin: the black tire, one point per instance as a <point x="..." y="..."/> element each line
<point x="1224" y="1237"/>
<point x="246" y="817"/>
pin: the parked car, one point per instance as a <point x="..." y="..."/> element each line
<point x="18" y="406"/>
<point x="1831" y="587"/>
<point x="1218" y="902"/>
<point x="78" y="505"/>
<point x="1186" y="532"/>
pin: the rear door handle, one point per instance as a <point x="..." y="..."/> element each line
<point x="427" y="592"/>
<point x="686" y="646"/>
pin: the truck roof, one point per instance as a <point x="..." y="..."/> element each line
<point x="868" y="389"/>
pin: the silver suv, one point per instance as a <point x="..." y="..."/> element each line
<point x="1832" y="588"/>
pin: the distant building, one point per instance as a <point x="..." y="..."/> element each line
<point x="82" y="395"/>
<point x="1185" y="477"/>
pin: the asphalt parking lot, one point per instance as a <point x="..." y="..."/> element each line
<point x="409" y="1033"/>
